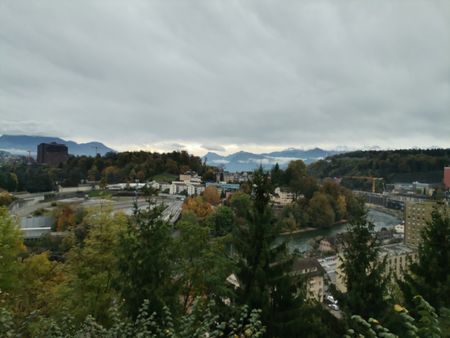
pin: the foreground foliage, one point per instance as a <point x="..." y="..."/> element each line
<point x="425" y="323"/>
<point x="200" y="322"/>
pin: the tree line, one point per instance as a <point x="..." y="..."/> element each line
<point x="111" y="168"/>
<point x="425" y="165"/>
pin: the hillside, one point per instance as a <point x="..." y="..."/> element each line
<point x="111" y="168"/>
<point x="407" y="165"/>
<point x="21" y="144"/>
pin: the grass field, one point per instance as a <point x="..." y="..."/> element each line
<point x="99" y="193"/>
<point x="165" y="178"/>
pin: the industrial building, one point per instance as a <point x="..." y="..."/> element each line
<point x="52" y="154"/>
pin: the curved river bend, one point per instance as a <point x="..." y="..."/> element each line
<point x="302" y="241"/>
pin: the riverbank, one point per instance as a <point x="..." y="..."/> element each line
<point x="392" y="212"/>
<point x="299" y="231"/>
<point x="379" y="208"/>
<point x="302" y="240"/>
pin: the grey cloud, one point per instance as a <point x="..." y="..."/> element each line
<point x="213" y="147"/>
<point x="215" y="72"/>
<point x="177" y="146"/>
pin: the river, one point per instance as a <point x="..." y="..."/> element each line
<point x="301" y="241"/>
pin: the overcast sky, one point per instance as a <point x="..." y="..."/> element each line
<point x="227" y="75"/>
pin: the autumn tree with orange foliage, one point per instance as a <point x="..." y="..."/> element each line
<point x="65" y="217"/>
<point x="198" y="206"/>
<point x="211" y="195"/>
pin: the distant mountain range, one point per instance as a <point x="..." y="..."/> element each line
<point x="245" y="161"/>
<point x="21" y="144"/>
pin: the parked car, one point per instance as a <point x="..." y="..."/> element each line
<point x="334" y="307"/>
<point x="331" y="299"/>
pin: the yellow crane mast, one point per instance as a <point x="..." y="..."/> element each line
<point x="371" y="178"/>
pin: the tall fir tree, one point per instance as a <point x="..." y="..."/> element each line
<point x="364" y="270"/>
<point x="264" y="266"/>
<point x="429" y="276"/>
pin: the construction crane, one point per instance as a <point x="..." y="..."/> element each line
<point x="370" y="178"/>
<point x="30" y="161"/>
<point x="96" y="150"/>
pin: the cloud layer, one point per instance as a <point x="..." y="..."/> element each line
<point x="214" y="74"/>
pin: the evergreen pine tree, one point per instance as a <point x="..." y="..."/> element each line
<point x="264" y="266"/>
<point x="276" y="175"/>
<point x="364" y="271"/>
<point x="430" y="275"/>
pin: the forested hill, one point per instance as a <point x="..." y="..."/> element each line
<point x="111" y="168"/>
<point x="423" y="165"/>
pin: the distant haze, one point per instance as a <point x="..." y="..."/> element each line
<point x="225" y="76"/>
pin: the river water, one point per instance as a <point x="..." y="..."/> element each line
<point x="302" y="241"/>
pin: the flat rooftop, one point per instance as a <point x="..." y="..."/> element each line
<point x="396" y="249"/>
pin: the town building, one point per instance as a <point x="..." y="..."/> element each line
<point x="237" y="177"/>
<point x="224" y="186"/>
<point x="417" y="214"/>
<point x="447" y="177"/>
<point x="227" y="177"/>
<point x="312" y="271"/>
<point x="177" y="187"/>
<point x="52" y="154"/>
<point x="308" y="270"/>
<point x="282" y="197"/>
<point x="331" y="244"/>
<point x="190" y="176"/>
<point x="399" y="257"/>
<point x="164" y="187"/>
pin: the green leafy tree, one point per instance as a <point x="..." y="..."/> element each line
<point x="11" y="245"/>
<point x="6" y="199"/>
<point x="9" y="181"/>
<point x="430" y="274"/>
<point x="37" y="292"/>
<point x="93" y="266"/>
<point x="364" y="272"/>
<point x="201" y="266"/>
<point x="295" y="173"/>
<point x="241" y="204"/>
<point x="221" y="221"/>
<point x="93" y="174"/>
<point x="320" y="211"/>
<point x="307" y="185"/>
